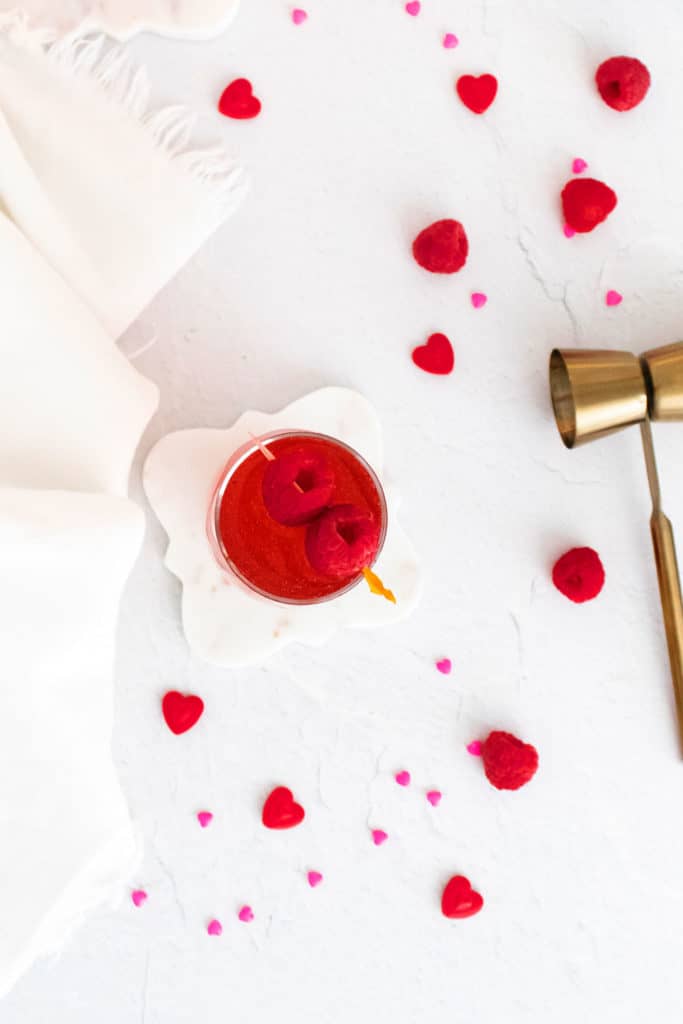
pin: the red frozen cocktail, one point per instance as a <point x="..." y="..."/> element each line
<point x="297" y="516"/>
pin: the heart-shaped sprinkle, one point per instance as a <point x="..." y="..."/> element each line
<point x="459" y="899"/>
<point x="578" y="165"/>
<point x="477" y="92"/>
<point x="413" y="8"/>
<point x="314" y="878"/>
<point x="436" y="356"/>
<point x="205" y="818"/>
<point x="568" y="232"/>
<point x="403" y="778"/>
<point x="508" y="762"/>
<point x="442" y="247"/>
<point x="434" y="797"/>
<point x="444" y="665"/>
<point x="587" y="202"/>
<point x="379" y="836"/>
<point x="246" y="914"/>
<point x="478" y="299"/>
<point x="281" y="811"/>
<point x="613" y="298"/>
<point x="474" y="748"/>
<point x="138" y="896"/>
<point x="181" y="711"/>
<point x="238" y="101"/>
<point x="450" y="41"/>
<point x="299" y="16"/>
<point x="214" y="927"/>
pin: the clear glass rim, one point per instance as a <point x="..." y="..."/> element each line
<point x="239" y="456"/>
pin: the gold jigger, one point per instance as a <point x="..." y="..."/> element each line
<point x="596" y="392"/>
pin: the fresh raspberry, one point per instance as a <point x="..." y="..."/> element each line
<point x="622" y="82"/>
<point x="586" y="202"/>
<point x="442" y="247"/>
<point x="579" y="574"/>
<point x="508" y="762"/>
<point x="297" y="486"/>
<point x="342" y="541"/>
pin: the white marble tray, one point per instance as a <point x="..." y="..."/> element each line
<point x="194" y="19"/>
<point x="224" y="623"/>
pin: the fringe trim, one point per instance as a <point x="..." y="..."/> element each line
<point x="126" y="85"/>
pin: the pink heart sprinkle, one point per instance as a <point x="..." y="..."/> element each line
<point x="568" y="232"/>
<point x="474" y="748"/>
<point x="579" y="165"/>
<point x="413" y="8"/>
<point x="299" y="16"/>
<point x="613" y="298"/>
<point x="214" y="927"/>
<point x="314" y="878"/>
<point x="450" y="41"/>
<point x="444" y="666"/>
<point x="434" y="797"/>
<point x="138" y="897"/>
<point x="403" y="778"/>
<point x="246" y="914"/>
<point x="379" y="836"/>
<point x="205" y="818"/>
<point x="479" y="299"/>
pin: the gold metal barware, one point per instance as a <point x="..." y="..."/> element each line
<point x="596" y="392"/>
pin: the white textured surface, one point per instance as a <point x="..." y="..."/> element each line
<point x="199" y="19"/>
<point x="224" y="623"/>
<point x="361" y="142"/>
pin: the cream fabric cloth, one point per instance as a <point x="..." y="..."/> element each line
<point x="196" y="19"/>
<point x="100" y="204"/>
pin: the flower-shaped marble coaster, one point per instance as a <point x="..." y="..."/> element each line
<point x="224" y="622"/>
<point x="193" y="19"/>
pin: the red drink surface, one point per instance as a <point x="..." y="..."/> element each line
<point x="271" y="557"/>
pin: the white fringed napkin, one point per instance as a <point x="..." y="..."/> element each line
<point x="100" y="204"/>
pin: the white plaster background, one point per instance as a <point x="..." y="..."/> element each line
<point x="361" y="143"/>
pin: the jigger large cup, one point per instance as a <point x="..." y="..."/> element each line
<point x="596" y="392"/>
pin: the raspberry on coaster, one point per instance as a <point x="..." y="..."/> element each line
<point x="442" y="247"/>
<point x="508" y="762"/>
<point x="579" y="574"/>
<point x="586" y="202"/>
<point x="622" y="82"/>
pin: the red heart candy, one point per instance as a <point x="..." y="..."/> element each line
<point x="436" y="356"/>
<point x="477" y="93"/>
<point x="238" y="100"/>
<point x="460" y="899"/>
<point x="281" y="811"/>
<point x="181" y="712"/>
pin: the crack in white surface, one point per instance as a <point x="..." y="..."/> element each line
<point x="546" y="287"/>
<point x="522" y="678"/>
<point x="572" y="316"/>
<point x="525" y="249"/>
<point x="566" y="479"/>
